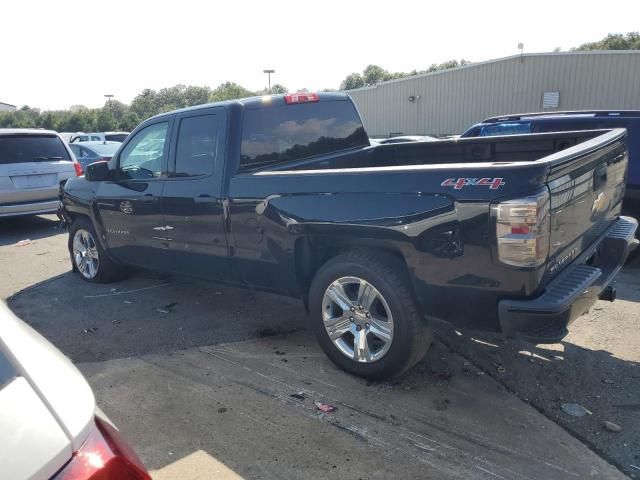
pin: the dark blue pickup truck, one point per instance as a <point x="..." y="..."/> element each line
<point x="518" y="235"/>
<point x="571" y="121"/>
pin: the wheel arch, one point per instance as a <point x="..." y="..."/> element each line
<point x="312" y="252"/>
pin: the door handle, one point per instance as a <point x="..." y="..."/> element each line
<point x="205" y="199"/>
<point x="148" y="198"/>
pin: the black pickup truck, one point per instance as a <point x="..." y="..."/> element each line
<point x="517" y="234"/>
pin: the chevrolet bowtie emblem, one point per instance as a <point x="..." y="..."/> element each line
<point x="599" y="203"/>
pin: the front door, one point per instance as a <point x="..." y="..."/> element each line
<point x="192" y="196"/>
<point x="130" y="207"/>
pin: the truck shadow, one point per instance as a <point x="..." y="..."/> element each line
<point x="14" y="229"/>
<point x="548" y="376"/>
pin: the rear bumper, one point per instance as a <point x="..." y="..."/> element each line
<point x="544" y="319"/>
<point x="35" y="208"/>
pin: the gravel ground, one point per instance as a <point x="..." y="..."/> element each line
<point x="596" y="366"/>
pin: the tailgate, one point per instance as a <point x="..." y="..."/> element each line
<point x="587" y="184"/>
<point x="33" y="181"/>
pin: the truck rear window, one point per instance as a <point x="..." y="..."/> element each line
<point x="31" y="148"/>
<point x="294" y="132"/>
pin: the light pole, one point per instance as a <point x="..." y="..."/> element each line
<point x="521" y="48"/>
<point x="269" y="72"/>
<point x="109" y="96"/>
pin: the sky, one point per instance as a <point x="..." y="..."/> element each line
<point x="54" y="54"/>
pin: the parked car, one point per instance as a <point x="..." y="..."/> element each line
<point x="50" y="426"/>
<point x="286" y="194"/>
<point x="566" y="121"/>
<point x="89" y="152"/>
<point x="33" y="165"/>
<point x="67" y="136"/>
<point x="100" y="137"/>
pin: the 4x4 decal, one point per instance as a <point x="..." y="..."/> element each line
<point x="460" y="183"/>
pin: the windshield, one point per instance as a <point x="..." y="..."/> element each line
<point x="31" y="148"/>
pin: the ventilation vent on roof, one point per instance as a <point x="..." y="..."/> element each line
<point x="550" y="99"/>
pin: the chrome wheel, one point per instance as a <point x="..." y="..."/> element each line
<point x="85" y="253"/>
<point x="357" y="319"/>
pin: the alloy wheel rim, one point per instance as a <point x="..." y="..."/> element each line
<point x="357" y="319"/>
<point x="85" y="253"/>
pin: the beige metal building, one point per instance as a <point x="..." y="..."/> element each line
<point x="449" y="101"/>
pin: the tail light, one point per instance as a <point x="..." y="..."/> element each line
<point x="104" y="456"/>
<point x="522" y="230"/>
<point x="78" y="168"/>
<point x="301" y="97"/>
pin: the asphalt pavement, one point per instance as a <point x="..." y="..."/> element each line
<point x="209" y="381"/>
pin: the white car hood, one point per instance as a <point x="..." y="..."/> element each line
<point x="49" y="400"/>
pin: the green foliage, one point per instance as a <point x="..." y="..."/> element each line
<point x="229" y="91"/>
<point x="614" y="41"/>
<point x="353" y="80"/>
<point x="373" y="74"/>
<point x="115" y="115"/>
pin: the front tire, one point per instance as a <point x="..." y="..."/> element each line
<point x="87" y="256"/>
<point x="365" y="316"/>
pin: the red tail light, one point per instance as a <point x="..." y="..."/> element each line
<point x="78" y="168"/>
<point x="104" y="456"/>
<point x="301" y="97"/>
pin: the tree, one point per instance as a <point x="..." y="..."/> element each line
<point x="373" y="74"/>
<point x="352" y="81"/>
<point x="229" y="91"/>
<point x="277" y="88"/>
<point x="614" y="41"/>
<point x="145" y="104"/>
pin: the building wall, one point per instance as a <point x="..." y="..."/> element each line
<point x="449" y="101"/>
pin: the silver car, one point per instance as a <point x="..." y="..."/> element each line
<point x="50" y="426"/>
<point x="33" y="165"/>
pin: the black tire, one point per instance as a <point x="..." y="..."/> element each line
<point x="107" y="270"/>
<point x="411" y="334"/>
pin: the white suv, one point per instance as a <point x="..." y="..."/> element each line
<point x="33" y="165"/>
<point x="99" y="137"/>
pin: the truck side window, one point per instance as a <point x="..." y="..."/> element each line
<point x="143" y="156"/>
<point x="287" y="133"/>
<point x="197" y="145"/>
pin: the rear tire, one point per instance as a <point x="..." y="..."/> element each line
<point x="365" y="315"/>
<point x="87" y="256"/>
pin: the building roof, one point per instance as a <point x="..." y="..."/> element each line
<point x="496" y="60"/>
<point x="8" y="104"/>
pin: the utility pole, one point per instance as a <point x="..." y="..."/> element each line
<point x="109" y="96"/>
<point x="269" y="72"/>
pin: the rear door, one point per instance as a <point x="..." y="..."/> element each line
<point x="586" y="196"/>
<point x="32" y="167"/>
<point x="192" y="196"/>
<point x="129" y="207"/>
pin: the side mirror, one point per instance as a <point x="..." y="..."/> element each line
<point x="97" y="171"/>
